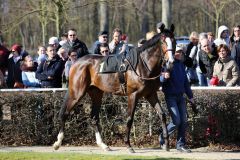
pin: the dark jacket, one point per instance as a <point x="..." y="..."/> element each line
<point x="189" y="62"/>
<point x="206" y="63"/>
<point x="235" y="50"/>
<point x="178" y="81"/>
<point x="14" y="72"/>
<point x="4" y="53"/>
<point x="78" y="46"/>
<point x="51" y="68"/>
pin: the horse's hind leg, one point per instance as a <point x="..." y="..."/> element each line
<point x="153" y="100"/>
<point x="96" y="97"/>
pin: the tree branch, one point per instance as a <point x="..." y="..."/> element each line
<point x="238" y="3"/>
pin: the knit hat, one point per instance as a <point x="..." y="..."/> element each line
<point x="53" y="40"/>
<point x="16" y="47"/>
<point x="102" y="33"/>
<point x="159" y="25"/>
<point x="178" y="48"/>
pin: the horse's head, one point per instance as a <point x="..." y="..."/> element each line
<point x="168" y="44"/>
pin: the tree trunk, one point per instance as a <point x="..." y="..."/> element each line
<point x="103" y="13"/>
<point x="145" y="20"/>
<point x="43" y="26"/>
<point x="59" y="16"/>
<point x="217" y="24"/>
<point x="21" y="28"/>
<point x="167" y="12"/>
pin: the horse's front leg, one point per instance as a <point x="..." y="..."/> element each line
<point x="132" y="100"/>
<point x="63" y="114"/>
<point x="95" y="118"/>
<point x="96" y="97"/>
<point x="153" y="100"/>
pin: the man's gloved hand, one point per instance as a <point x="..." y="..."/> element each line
<point x="193" y="106"/>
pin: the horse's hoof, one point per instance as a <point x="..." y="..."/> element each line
<point x="55" y="146"/>
<point x="167" y="149"/>
<point x="164" y="147"/>
<point x="131" y="150"/>
<point x="107" y="149"/>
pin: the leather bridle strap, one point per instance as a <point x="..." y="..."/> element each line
<point x="144" y="78"/>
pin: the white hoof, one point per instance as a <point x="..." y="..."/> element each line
<point x="107" y="149"/>
<point x="56" y="146"/>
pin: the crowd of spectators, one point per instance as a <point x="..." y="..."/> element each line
<point x="208" y="61"/>
<point x="50" y="66"/>
<point x="213" y="62"/>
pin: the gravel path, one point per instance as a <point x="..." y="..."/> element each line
<point x="200" y="153"/>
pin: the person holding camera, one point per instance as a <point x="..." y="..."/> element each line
<point x="117" y="46"/>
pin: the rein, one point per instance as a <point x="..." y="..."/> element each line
<point x="146" y="78"/>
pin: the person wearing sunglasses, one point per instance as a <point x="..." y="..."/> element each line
<point x="102" y="38"/>
<point x="104" y="49"/>
<point x="72" y="58"/>
<point x="73" y="43"/>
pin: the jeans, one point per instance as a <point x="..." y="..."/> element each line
<point x="202" y="79"/>
<point x="177" y="108"/>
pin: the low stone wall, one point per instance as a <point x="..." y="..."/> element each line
<point x="30" y="117"/>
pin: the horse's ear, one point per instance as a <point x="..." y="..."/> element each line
<point x="162" y="27"/>
<point x="172" y="28"/>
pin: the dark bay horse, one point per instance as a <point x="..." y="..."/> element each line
<point x="140" y="82"/>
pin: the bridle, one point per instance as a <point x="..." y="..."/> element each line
<point x="145" y="65"/>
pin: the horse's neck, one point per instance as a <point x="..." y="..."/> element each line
<point x="151" y="60"/>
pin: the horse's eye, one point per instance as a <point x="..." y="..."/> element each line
<point x="163" y="38"/>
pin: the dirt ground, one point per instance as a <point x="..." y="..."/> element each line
<point x="199" y="153"/>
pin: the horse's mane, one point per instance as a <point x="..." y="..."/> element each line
<point x="154" y="40"/>
<point x="149" y="43"/>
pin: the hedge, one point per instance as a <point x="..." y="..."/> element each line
<point x="31" y="118"/>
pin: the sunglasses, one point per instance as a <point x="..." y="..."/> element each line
<point x="105" y="51"/>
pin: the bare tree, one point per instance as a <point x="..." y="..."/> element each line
<point x="59" y="14"/>
<point x="166" y="12"/>
<point x="43" y="19"/>
<point x="103" y="13"/>
<point x="214" y="10"/>
<point x="145" y="20"/>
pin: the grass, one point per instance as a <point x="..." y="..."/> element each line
<point x="72" y="156"/>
